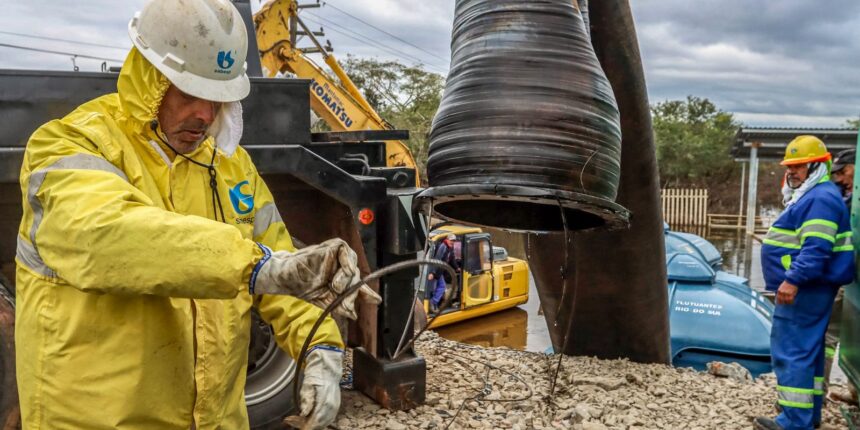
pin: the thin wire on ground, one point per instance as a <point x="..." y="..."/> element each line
<point x="564" y="269"/>
<point x="487" y="387"/>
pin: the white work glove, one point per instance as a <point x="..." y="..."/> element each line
<point x="317" y="274"/>
<point x="320" y="390"/>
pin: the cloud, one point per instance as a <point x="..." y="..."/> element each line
<point x="100" y="22"/>
<point x="785" y="62"/>
<point x="782" y="63"/>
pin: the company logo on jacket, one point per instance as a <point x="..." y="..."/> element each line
<point x="242" y="203"/>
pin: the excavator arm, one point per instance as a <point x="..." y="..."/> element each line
<point x="340" y="104"/>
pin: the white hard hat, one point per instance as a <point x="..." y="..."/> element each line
<point x="199" y="45"/>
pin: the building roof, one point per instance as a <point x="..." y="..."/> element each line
<point x="772" y="140"/>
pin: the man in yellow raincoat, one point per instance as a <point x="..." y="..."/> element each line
<point x="138" y="266"/>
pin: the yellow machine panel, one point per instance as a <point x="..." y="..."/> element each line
<point x="513" y="275"/>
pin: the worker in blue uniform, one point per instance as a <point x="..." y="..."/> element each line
<point x="806" y="256"/>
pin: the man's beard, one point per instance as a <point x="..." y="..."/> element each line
<point x="794" y="183"/>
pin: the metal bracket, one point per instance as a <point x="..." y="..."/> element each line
<point x="396" y="385"/>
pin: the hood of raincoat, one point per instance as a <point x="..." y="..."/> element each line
<point x="141" y="88"/>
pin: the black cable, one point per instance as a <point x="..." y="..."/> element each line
<point x="210" y="168"/>
<point x="564" y="270"/>
<point x="366" y="40"/>
<point x="407" y="328"/>
<point x="442" y="306"/>
<point x="479" y="396"/>
<point x="300" y="361"/>
<point x="57" y="39"/>
<point x="69" y="54"/>
<point x="381" y="30"/>
<point x="462" y="359"/>
<point x="487" y="388"/>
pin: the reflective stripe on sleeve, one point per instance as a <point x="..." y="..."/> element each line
<point x="820" y="228"/>
<point x="29" y="252"/>
<point x="28" y="256"/>
<point x="265" y="217"/>
<point x="782" y="238"/>
<point x="843" y="242"/>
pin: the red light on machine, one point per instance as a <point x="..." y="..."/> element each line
<point x="365" y="216"/>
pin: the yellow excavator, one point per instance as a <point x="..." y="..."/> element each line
<point x="488" y="280"/>
<point x="339" y="104"/>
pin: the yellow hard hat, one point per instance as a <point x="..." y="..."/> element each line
<point x="805" y="149"/>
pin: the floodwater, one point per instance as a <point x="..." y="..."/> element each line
<point x="741" y="256"/>
<point x="524" y="328"/>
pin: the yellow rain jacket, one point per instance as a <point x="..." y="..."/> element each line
<point x="133" y="309"/>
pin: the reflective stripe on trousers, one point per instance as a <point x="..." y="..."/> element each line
<point x="797" y="346"/>
<point x="795" y="397"/>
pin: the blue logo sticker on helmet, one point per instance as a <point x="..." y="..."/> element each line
<point x="225" y="60"/>
<point x="239" y="199"/>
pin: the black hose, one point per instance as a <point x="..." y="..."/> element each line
<point x="300" y="361"/>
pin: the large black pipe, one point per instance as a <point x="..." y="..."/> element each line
<point x="617" y="280"/>
<point x="527" y="126"/>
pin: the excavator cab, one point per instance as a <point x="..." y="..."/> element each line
<point x="471" y="257"/>
<point x="477" y="270"/>
<point x="488" y="280"/>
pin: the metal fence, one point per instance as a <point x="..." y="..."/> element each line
<point x="685" y="206"/>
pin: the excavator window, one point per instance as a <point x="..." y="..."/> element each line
<point x="478" y="256"/>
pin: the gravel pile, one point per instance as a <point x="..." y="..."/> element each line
<point x="590" y="394"/>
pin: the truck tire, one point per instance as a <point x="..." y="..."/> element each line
<point x="10" y="412"/>
<point x="269" y="385"/>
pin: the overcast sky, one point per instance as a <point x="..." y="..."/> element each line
<point x="771" y="62"/>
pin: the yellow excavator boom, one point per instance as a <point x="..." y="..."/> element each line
<point x="340" y="104"/>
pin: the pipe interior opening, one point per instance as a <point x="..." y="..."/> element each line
<point x="517" y="215"/>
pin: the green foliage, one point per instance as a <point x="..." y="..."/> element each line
<point x="405" y="96"/>
<point x="852" y="123"/>
<point x="693" y="139"/>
